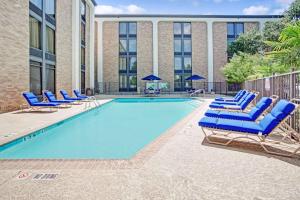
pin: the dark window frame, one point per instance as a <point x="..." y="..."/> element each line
<point x="128" y="55"/>
<point x="180" y="86"/>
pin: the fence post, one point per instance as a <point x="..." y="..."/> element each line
<point x="291" y="92"/>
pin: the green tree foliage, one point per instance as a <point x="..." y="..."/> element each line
<point x="287" y="49"/>
<point x="272" y="30"/>
<point x="250" y="42"/>
<point x="293" y="11"/>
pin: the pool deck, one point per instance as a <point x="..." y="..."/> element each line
<point x="180" y="164"/>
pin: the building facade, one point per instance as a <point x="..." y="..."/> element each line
<point x="173" y="47"/>
<point x="46" y="45"/>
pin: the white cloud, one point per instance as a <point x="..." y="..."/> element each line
<point x="278" y="11"/>
<point x="129" y="9"/>
<point x="256" y="10"/>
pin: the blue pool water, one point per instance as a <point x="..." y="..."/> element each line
<point x="116" y="130"/>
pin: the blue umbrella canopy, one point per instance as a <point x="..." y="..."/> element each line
<point x="194" y="77"/>
<point x="151" y="78"/>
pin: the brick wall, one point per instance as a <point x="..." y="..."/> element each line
<point x="14" y="54"/>
<point x="144" y="51"/>
<point x="199" y="48"/>
<point x="63" y="46"/>
<point x="111" y="54"/>
<point x="166" y="52"/>
<point x="219" y="49"/>
<point x="87" y="47"/>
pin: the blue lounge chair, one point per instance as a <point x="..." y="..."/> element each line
<point x="232" y="102"/>
<point x="35" y="104"/>
<point x="277" y="117"/>
<point x="67" y="97"/>
<point x="236" y="98"/>
<point x="79" y="95"/>
<point x="241" y="105"/>
<point x="253" y="115"/>
<point x="51" y="98"/>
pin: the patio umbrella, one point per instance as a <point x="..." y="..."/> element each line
<point x="194" y="77"/>
<point x="151" y="78"/>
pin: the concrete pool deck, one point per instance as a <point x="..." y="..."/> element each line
<point x="178" y="165"/>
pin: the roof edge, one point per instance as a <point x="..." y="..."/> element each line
<point x="185" y="16"/>
<point x="94" y="2"/>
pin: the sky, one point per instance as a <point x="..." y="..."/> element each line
<point x="199" y="7"/>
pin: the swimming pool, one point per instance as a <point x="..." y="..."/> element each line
<point x="116" y="130"/>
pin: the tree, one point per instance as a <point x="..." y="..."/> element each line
<point x="239" y="68"/>
<point x="250" y="42"/>
<point x="272" y="30"/>
<point x="287" y="49"/>
<point x="294" y="11"/>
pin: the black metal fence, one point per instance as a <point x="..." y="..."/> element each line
<point x="113" y="88"/>
<point x="286" y="86"/>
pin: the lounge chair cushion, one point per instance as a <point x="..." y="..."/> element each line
<point x="51" y="98"/>
<point x="236" y="98"/>
<point x="33" y="100"/>
<point x="79" y="95"/>
<point x="67" y="97"/>
<point x="231" y="125"/>
<point x="260" y="107"/>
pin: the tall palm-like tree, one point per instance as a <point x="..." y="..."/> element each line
<point x="287" y="49"/>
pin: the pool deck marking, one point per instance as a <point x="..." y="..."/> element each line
<point x="17" y="124"/>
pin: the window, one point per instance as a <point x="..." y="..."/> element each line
<point x="187" y="63"/>
<point x="50" y="8"/>
<point x="42" y="45"/>
<point x="37" y="3"/>
<point x="187" y="28"/>
<point x="132" y="45"/>
<point x="178" y="63"/>
<point x="123" y="63"/>
<point x="132" y="63"/>
<point x="187" y="45"/>
<point x="82" y="56"/>
<point x="50" y="48"/>
<point x="82" y="36"/>
<point x="127" y="56"/>
<point x="36" y="78"/>
<point x="177" y="28"/>
<point x="177" y="45"/>
<point x="35" y="33"/>
<point x="82" y="9"/>
<point x="182" y="55"/>
<point x="82" y="32"/>
<point x="234" y="30"/>
<point x="132" y="28"/>
<point x="50" y="78"/>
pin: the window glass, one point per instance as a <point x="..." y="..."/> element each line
<point x="35" y="33"/>
<point x="132" y="28"/>
<point x="177" y="63"/>
<point x="36" y="78"/>
<point x="50" y="7"/>
<point x="187" y="45"/>
<point x="239" y="28"/>
<point x="230" y="29"/>
<point x="50" y="78"/>
<point x="82" y="56"/>
<point x="177" y="81"/>
<point x="187" y="28"/>
<point x="82" y="82"/>
<point x="50" y="34"/>
<point x="177" y="28"/>
<point x="82" y="8"/>
<point x="123" y="45"/>
<point x="82" y="32"/>
<point x="132" y="82"/>
<point x="177" y="45"/>
<point x="37" y="3"/>
<point x="132" y="63"/>
<point x="187" y="63"/>
<point x="132" y="45"/>
<point x="123" y="63"/>
<point x="187" y="84"/>
<point x="123" y="81"/>
<point x="123" y="28"/>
